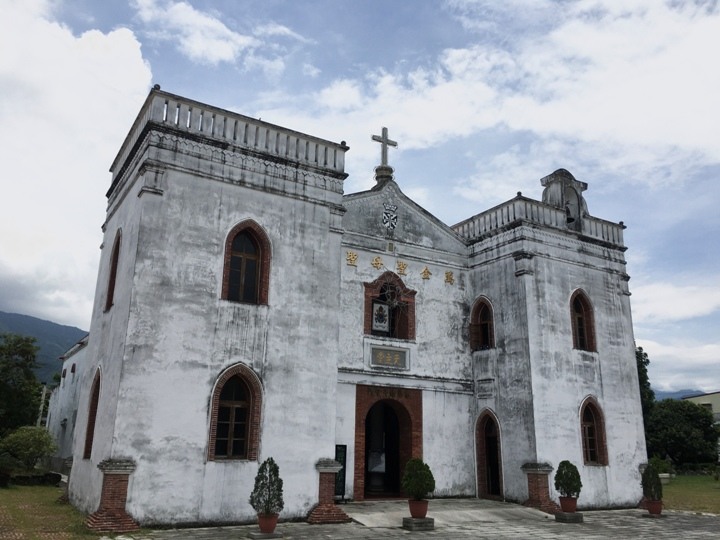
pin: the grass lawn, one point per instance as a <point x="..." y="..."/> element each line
<point x="694" y="493"/>
<point x="31" y="512"/>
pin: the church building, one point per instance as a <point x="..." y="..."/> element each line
<point x="246" y="308"/>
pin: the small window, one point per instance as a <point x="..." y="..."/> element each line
<point x="247" y="261"/>
<point x="389" y="308"/>
<point x="92" y="416"/>
<point x="244" y="259"/>
<point x="583" y="325"/>
<point x="593" y="435"/>
<point x="482" y="333"/>
<point x="110" y="294"/>
<point x="235" y="415"/>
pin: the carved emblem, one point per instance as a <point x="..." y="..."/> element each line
<point x="426" y="273"/>
<point x="449" y="278"/>
<point x="351" y="258"/>
<point x="377" y="263"/>
<point x="389" y="218"/>
<point x="401" y="268"/>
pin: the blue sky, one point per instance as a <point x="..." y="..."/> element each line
<point x="484" y="98"/>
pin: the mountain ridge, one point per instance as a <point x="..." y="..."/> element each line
<point x="53" y="340"/>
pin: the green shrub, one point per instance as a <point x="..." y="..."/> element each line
<point x="28" y="444"/>
<point x="661" y="465"/>
<point x="567" y="479"/>
<point x="418" y="480"/>
<point x="651" y="485"/>
<point x="267" y="495"/>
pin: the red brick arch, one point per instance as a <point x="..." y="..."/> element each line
<point x="407" y="404"/>
<point x="255" y="387"/>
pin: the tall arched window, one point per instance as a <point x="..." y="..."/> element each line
<point x="389" y="308"/>
<point x="583" y="322"/>
<point x="246" y="274"/>
<point x="593" y="434"/>
<point x="235" y="415"/>
<point x="482" y="328"/>
<point x="231" y="438"/>
<point x="112" y="275"/>
<point x="92" y="416"/>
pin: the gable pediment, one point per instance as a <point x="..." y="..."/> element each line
<point x="385" y="212"/>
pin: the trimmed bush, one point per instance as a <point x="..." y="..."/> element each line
<point x="418" y="480"/>
<point x="651" y="484"/>
<point x="267" y="495"/>
<point x="567" y="479"/>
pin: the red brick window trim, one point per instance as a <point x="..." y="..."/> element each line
<point x="224" y="405"/>
<point x="246" y="264"/>
<point x="92" y="416"/>
<point x="114" y="259"/>
<point x="482" y="326"/>
<point x="592" y="426"/>
<point x="583" y="322"/>
<point x="389" y="289"/>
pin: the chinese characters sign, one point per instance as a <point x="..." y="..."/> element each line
<point x="389" y="358"/>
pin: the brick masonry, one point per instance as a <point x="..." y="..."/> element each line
<point x="407" y="404"/>
<point x="111" y="515"/>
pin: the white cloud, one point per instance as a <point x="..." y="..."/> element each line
<point x="666" y="302"/>
<point x="278" y="30"/>
<point x="65" y="101"/>
<point x="683" y="365"/>
<point x="200" y="36"/>
<point x="310" y="70"/>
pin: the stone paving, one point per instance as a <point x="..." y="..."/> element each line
<point x="470" y="518"/>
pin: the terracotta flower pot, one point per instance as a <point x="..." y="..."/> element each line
<point x="267" y="523"/>
<point x="568" y="504"/>
<point x="418" y="509"/>
<point x="654" y="507"/>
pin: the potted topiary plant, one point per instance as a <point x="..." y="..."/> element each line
<point x="267" y="495"/>
<point x="417" y="482"/>
<point x="568" y="483"/>
<point x="652" y="489"/>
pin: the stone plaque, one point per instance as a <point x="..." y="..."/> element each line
<point x="388" y="358"/>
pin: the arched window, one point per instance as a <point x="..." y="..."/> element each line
<point x="583" y="322"/>
<point x="482" y="331"/>
<point x="593" y="434"/>
<point x="114" y="257"/>
<point x="247" y="264"/>
<point x="92" y="416"/>
<point x="389" y="308"/>
<point x="235" y="415"/>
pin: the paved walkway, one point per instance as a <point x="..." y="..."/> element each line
<point x="470" y="518"/>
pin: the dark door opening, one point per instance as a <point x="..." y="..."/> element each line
<point x="489" y="458"/>
<point x="492" y="458"/>
<point x="382" y="451"/>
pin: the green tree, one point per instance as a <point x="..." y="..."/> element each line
<point x="682" y="431"/>
<point x="19" y="389"/>
<point x="647" y="395"/>
<point x="28" y="444"/>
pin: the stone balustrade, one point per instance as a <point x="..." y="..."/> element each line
<point x="185" y="115"/>
<point x="521" y="209"/>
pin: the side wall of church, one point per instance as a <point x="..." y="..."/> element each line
<point x="563" y="377"/>
<point x="106" y="349"/>
<point x="178" y="336"/>
<point x="502" y="373"/>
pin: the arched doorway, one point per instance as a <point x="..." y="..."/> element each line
<point x="489" y="458"/>
<point x="388" y="432"/>
<point x="382" y="451"/>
